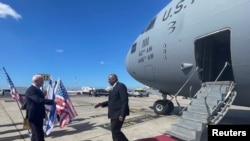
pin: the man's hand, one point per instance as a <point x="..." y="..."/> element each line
<point x="121" y="118"/>
<point x="98" y="105"/>
<point x="56" y="101"/>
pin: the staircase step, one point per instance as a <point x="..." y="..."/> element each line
<point x="199" y="108"/>
<point x="211" y="96"/>
<point x="202" y="102"/>
<point x="201" y="117"/>
<point x="218" y="84"/>
<point x="211" y="89"/>
<point x="178" y="135"/>
<point x="191" y="124"/>
<point x="183" y="132"/>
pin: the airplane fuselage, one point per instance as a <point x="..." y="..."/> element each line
<point x="191" y="34"/>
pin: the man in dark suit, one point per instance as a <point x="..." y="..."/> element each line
<point x="35" y="108"/>
<point x="118" y="107"/>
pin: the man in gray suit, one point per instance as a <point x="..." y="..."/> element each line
<point x="118" y="107"/>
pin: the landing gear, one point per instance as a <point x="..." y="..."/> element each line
<point x="163" y="107"/>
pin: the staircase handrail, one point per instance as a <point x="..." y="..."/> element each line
<point x="227" y="101"/>
<point x="177" y="93"/>
<point x="226" y="63"/>
<point x="205" y="98"/>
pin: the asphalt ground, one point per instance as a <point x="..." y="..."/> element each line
<point x="93" y="125"/>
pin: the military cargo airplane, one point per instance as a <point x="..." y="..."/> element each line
<point x="192" y="42"/>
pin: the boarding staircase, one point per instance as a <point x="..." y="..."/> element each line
<point x="208" y="106"/>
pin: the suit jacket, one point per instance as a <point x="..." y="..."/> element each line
<point x="117" y="102"/>
<point x="35" y="108"/>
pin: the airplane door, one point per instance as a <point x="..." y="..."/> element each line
<point x="211" y="53"/>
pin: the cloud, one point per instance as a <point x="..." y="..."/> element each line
<point x="59" y="50"/>
<point x="102" y="63"/>
<point x="6" y="10"/>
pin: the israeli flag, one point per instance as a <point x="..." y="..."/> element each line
<point x="51" y="120"/>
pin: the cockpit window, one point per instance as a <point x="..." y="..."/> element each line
<point x="151" y="25"/>
<point x="133" y="49"/>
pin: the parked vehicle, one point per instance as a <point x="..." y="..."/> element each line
<point x="5" y="92"/>
<point x="100" y="92"/>
<point x="87" y="90"/>
<point x="138" y="93"/>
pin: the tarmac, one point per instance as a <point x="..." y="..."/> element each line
<point x="93" y="124"/>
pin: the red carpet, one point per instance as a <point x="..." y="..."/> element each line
<point x="159" y="138"/>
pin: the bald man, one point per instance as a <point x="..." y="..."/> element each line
<point x="35" y="110"/>
<point x="118" y="107"/>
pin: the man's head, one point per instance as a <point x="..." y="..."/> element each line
<point x="112" y="79"/>
<point x="37" y="80"/>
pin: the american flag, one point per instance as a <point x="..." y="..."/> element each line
<point x="15" y="95"/>
<point x="65" y="109"/>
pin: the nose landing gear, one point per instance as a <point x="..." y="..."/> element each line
<point x="163" y="107"/>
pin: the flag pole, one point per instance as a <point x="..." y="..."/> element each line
<point x="14" y="94"/>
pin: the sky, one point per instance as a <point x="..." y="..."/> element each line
<point x="79" y="42"/>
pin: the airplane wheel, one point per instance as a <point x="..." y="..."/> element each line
<point x="163" y="107"/>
